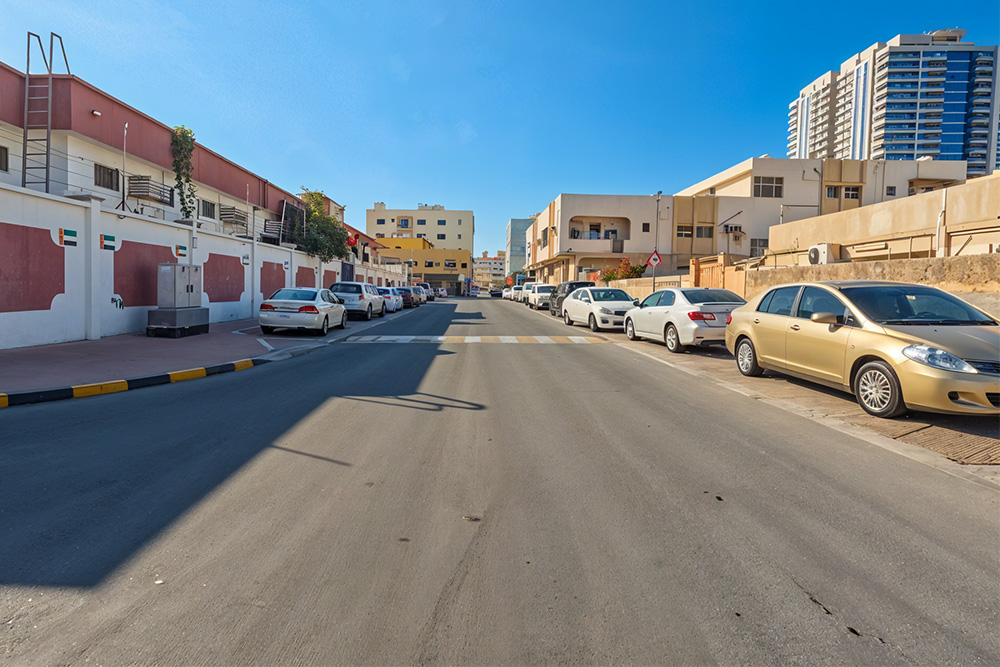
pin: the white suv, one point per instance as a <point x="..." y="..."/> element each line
<point x="360" y="299"/>
<point x="522" y="296"/>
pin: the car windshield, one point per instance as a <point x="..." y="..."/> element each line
<point x="711" y="296"/>
<point x="610" y="295"/>
<point x="543" y="289"/>
<point x="346" y="289"/>
<point x="914" y="305"/>
<point x="295" y="295"/>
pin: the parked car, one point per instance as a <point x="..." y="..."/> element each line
<point x="393" y="301"/>
<point x="515" y="292"/>
<point x="505" y="294"/>
<point x="522" y="296"/>
<point x="302" y="308"/>
<point x="428" y="290"/>
<point x="419" y="293"/>
<point x="683" y="316"/>
<point x="538" y="298"/>
<point x="361" y="299"/>
<point x="442" y="292"/>
<point x="895" y="346"/>
<point x="409" y="300"/>
<point x="495" y="293"/>
<point x="561" y="291"/>
<point x="599" y="307"/>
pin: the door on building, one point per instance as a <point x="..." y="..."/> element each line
<point x="348" y="272"/>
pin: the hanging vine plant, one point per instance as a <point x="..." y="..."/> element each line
<point x="182" y="147"/>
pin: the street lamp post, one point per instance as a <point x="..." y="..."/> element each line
<point x="656" y="240"/>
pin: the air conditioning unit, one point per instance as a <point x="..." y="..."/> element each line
<point x="824" y="253"/>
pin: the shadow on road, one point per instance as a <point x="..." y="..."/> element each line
<point x="88" y="483"/>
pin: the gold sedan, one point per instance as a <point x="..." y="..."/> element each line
<point x="893" y="345"/>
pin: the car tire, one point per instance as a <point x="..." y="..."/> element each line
<point x="877" y="389"/>
<point x="567" y="319"/>
<point x="592" y="323"/>
<point x="266" y="330"/>
<point x="343" y="321"/>
<point x="325" y="328"/>
<point x="672" y="339"/>
<point x="629" y="329"/>
<point x="746" y="358"/>
<point x="382" y="312"/>
<point x="368" y="313"/>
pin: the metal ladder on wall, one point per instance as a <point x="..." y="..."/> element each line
<point x="36" y="148"/>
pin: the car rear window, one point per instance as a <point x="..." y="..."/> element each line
<point x="346" y="289"/>
<point x="696" y="296"/>
<point x="295" y="295"/>
<point x="544" y="289"/>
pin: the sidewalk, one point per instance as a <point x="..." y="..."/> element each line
<point x="136" y="355"/>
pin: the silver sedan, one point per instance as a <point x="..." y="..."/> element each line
<point x="302" y="308"/>
<point x="683" y="316"/>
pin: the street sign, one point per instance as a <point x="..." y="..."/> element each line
<point x="654" y="259"/>
<point x="510" y="281"/>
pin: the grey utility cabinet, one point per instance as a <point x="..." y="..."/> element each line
<point x="178" y="285"/>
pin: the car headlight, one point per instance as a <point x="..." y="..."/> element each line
<point x="935" y="358"/>
<point x="605" y="311"/>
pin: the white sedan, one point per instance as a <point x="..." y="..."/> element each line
<point x="683" y="316"/>
<point x="599" y="307"/>
<point x="302" y="308"/>
<point x="393" y="301"/>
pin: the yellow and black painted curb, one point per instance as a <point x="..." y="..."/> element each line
<point x="84" y="390"/>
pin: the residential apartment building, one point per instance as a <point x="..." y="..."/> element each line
<point x="577" y="234"/>
<point x="929" y="95"/>
<point x="489" y="270"/>
<point x="440" y="267"/>
<point x="514" y="255"/>
<point x="743" y="202"/>
<point x="452" y="230"/>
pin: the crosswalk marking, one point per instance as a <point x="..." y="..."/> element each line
<point x="524" y="340"/>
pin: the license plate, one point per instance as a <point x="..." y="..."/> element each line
<point x="285" y="317"/>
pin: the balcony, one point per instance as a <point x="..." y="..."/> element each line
<point x="234" y="217"/>
<point x="143" y="187"/>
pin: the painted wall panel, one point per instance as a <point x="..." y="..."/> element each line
<point x="224" y="278"/>
<point x="32" y="268"/>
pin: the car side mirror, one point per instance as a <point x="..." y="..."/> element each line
<point x="824" y="318"/>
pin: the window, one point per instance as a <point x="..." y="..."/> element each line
<point x="437" y="263"/>
<point x="757" y="247"/>
<point x="459" y="221"/>
<point x="4" y="159"/>
<point x="768" y="186"/>
<point x="404" y="223"/>
<point x="890" y="191"/>
<point x="380" y="221"/>
<point x="611" y="234"/>
<point x="450" y="264"/>
<point x="852" y="192"/>
<point x="379" y="236"/>
<point x="459" y="237"/>
<point x="207" y="209"/>
<point x="105" y="177"/>
<point x="421" y="236"/>
<point x="645" y="226"/>
<point x="442" y="222"/>
<point x="705" y="232"/>
<point x="833" y="192"/>
<point x="667" y="298"/>
<point x="780" y="301"/>
<point x="428" y="263"/>
<point x="816" y="300"/>
<point x="441" y="237"/>
<point x="685" y="231"/>
<point x="465" y="265"/>
<point x="421" y="222"/>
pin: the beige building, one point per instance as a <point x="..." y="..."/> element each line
<point x="489" y="271"/>
<point x="745" y="201"/>
<point x="441" y="267"/>
<point x="576" y="234"/>
<point x="442" y="228"/>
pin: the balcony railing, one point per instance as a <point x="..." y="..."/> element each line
<point x="232" y="215"/>
<point x="144" y="187"/>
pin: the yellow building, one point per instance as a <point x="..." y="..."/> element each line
<point x="441" y="267"/>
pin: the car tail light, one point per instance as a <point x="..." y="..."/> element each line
<point x="308" y="309"/>
<point x="266" y="306"/>
<point x="729" y="318"/>
<point x="696" y="315"/>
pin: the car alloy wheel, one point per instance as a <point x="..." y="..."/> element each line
<point x="382" y="312"/>
<point x="368" y="313"/>
<point x="325" y="329"/>
<point x="877" y="390"/>
<point x="343" y="320"/>
<point x="566" y="318"/>
<point x="592" y="321"/>
<point x="672" y="340"/>
<point x="629" y="330"/>
<point x="746" y="359"/>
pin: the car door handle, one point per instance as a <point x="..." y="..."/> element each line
<point x="795" y="327"/>
<point x="756" y="320"/>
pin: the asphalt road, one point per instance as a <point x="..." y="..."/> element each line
<point x="478" y="503"/>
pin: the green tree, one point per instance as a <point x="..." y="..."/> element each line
<point x="182" y="148"/>
<point x="324" y="237"/>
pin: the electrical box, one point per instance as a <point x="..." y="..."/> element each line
<point x="178" y="285"/>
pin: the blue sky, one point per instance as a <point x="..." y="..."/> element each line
<point x="492" y="106"/>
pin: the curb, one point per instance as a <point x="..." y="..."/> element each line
<point x="114" y="386"/>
